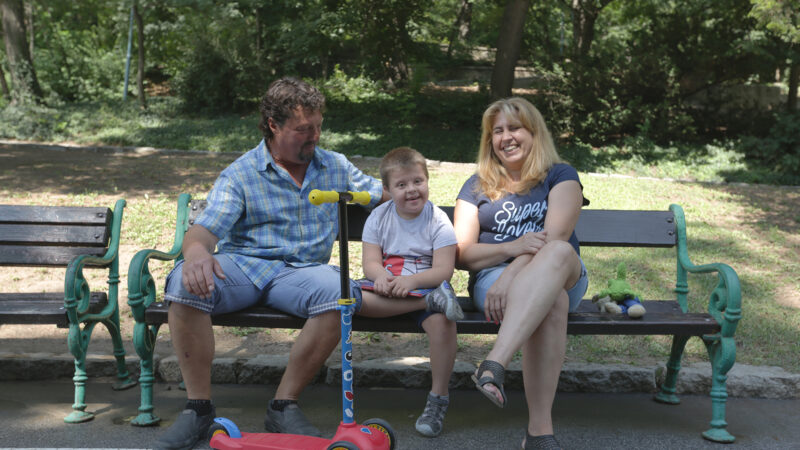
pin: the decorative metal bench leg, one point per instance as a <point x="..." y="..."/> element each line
<point x="144" y="339"/>
<point x="124" y="380"/>
<point x="79" y="413"/>
<point x="668" y="388"/>
<point x="78" y="340"/>
<point x="146" y="417"/>
<point x="722" y="352"/>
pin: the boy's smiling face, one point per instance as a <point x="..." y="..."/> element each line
<point x="408" y="187"/>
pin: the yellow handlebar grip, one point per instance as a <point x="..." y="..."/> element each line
<point x="361" y="197"/>
<point x="317" y="197"/>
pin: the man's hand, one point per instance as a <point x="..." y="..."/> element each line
<point x="200" y="266"/>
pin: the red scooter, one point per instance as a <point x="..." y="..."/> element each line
<point x="372" y="434"/>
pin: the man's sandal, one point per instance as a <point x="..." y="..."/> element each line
<point x="498" y="376"/>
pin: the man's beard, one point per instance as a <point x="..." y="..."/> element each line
<point x="306" y="156"/>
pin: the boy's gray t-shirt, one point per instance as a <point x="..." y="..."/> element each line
<point x="408" y="245"/>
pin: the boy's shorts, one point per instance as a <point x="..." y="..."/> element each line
<point x="300" y="291"/>
<point x="486" y="277"/>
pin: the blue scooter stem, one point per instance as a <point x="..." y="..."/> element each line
<point x="347" y="303"/>
<point x="346" y="306"/>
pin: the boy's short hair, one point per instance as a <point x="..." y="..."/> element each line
<point x="401" y="158"/>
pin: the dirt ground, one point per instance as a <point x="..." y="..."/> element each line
<point x="67" y="174"/>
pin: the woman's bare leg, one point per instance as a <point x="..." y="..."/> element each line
<point x="542" y="359"/>
<point x="532" y="297"/>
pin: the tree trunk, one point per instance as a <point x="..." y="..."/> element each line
<point x="508" y="47"/>
<point x="29" y="26"/>
<point x="794" y="78"/>
<point x="397" y="65"/>
<point x="23" y="76"/>
<point x="3" y="84"/>
<point x="584" y="16"/>
<point x="461" y="26"/>
<point x="258" y="33"/>
<point x="140" y="44"/>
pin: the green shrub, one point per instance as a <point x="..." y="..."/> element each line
<point x="780" y="149"/>
<point x="29" y="122"/>
<point x="208" y="80"/>
<point x="74" y="68"/>
<point x="340" y="87"/>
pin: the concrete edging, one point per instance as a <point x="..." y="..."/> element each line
<point x="414" y="372"/>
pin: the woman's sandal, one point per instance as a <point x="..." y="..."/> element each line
<point x="498" y="375"/>
<point x="545" y="442"/>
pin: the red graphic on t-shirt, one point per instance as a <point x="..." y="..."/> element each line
<point x="394" y="264"/>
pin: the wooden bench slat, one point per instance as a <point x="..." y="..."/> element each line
<point x="67" y="235"/>
<point x="65" y="215"/>
<point x="610" y="228"/>
<point x="13" y="255"/>
<point x="595" y="228"/>
<point x="663" y="317"/>
<point x="41" y="307"/>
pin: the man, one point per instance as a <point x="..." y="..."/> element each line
<point x="273" y="247"/>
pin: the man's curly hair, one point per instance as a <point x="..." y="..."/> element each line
<point x="283" y="97"/>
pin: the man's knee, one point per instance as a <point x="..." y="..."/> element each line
<point x="328" y="323"/>
<point x="181" y="313"/>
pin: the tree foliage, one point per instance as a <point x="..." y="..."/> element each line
<point x="781" y="18"/>
<point x="602" y="70"/>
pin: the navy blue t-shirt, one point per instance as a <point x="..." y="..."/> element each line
<point x="513" y="215"/>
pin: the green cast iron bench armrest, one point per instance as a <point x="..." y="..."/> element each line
<point x="725" y="301"/>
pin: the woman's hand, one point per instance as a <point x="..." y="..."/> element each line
<point x="529" y="243"/>
<point x="494" y="306"/>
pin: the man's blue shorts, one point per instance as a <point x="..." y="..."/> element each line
<point x="300" y="291"/>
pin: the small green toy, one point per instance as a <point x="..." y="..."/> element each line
<point x="619" y="297"/>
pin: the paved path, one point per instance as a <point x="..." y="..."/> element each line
<point x="32" y="413"/>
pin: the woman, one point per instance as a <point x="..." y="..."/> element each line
<point x="514" y="222"/>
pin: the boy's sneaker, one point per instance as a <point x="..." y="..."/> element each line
<point x="443" y="300"/>
<point x="431" y="421"/>
<point x="186" y="431"/>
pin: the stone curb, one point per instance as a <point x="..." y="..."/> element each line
<point x="414" y="372"/>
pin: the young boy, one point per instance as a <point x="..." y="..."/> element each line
<point x="409" y="249"/>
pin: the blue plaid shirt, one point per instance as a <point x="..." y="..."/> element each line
<point x="264" y="221"/>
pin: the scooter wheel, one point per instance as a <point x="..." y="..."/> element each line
<point x="384" y="427"/>
<point x="215" y="429"/>
<point x="342" y="445"/>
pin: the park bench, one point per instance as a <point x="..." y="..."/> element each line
<point x="75" y="238"/>
<point x="601" y="228"/>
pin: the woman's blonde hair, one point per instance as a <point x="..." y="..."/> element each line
<point x="494" y="179"/>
